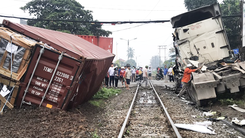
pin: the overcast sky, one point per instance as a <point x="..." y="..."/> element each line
<point x="149" y="36"/>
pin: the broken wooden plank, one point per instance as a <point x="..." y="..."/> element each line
<point x="14" y="94"/>
<point x="8" y="104"/>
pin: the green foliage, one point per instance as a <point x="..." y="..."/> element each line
<point x="155" y="62"/>
<point x="168" y="63"/>
<point x="232" y="24"/>
<point x="193" y="4"/>
<point x="97" y="103"/>
<point x="120" y="63"/>
<point x="105" y="93"/>
<point x="131" y="62"/>
<point x="63" y="10"/>
<point x="127" y="132"/>
<point x="117" y="63"/>
<point x="231" y="101"/>
<point x="95" y="135"/>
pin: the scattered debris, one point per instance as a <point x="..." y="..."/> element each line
<point x="233" y="126"/>
<point x="238" y="122"/>
<point x="213" y="116"/>
<point x="208" y="114"/>
<point x="202" y="127"/>
<point x="234" y="106"/>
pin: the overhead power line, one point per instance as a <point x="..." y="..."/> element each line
<point x="143" y="10"/>
<point x="92" y="22"/>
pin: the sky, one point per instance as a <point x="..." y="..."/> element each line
<point x="148" y="36"/>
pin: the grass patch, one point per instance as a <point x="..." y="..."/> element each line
<point x="97" y="103"/>
<point x="234" y="98"/>
<point x="95" y="135"/>
<point x="104" y="93"/>
<point x="231" y="101"/>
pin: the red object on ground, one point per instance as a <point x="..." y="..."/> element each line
<point x="103" y="42"/>
<point x="80" y="71"/>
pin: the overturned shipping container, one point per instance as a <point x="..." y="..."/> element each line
<point x="64" y="70"/>
<point x="103" y="42"/>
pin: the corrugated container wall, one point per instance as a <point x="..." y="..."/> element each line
<point x="65" y="71"/>
<point x="103" y="42"/>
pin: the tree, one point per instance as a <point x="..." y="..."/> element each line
<point x="131" y="62"/>
<point x="155" y="62"/>
<point x="69" y="10"/>
<point x="168" y="63"/>
<point x="120" y="63"/>
<point x="232" y="24"/>
<point x="193" y="4"/>
<point x="130" y="52"/>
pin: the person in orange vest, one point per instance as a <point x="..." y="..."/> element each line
<point x="186" y="79"/>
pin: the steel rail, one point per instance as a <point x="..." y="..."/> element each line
<point x="128" y="114"/>
<point x="166" y="112"/>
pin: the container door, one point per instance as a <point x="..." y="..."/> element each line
<point x="48" y="79"/>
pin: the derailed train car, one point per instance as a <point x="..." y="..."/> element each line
<point x="62" y="70"/>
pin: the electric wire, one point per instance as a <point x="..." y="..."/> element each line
<point x="92" y="22"/>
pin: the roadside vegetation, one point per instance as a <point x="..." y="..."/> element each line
<point x="102" y="94"/>
<point x="240" y="101"/>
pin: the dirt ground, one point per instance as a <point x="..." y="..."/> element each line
<point x="88" y="121"/>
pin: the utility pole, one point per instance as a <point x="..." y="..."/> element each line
<point x="162" y="47"/>
<point x="165" y="47"/>
<point x="128" y="44"/>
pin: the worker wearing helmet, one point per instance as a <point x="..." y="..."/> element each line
<point x="186" y="79"/>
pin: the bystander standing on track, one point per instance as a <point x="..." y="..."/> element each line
<point x="133" y="71"/>
<point x="149" y="73"/>
<point x="119" y="70"/>
<point x="127" y="76"/>
<point x="121" y="75"/>
<point x="165" y="72"/>
<point x="116" y="76"/>
<point x="111" y="73"/>
<point x="141" y="74"/>
<point x="170" y="74"/>
<point x="145" y="75"/>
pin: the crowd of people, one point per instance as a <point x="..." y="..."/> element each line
<point x="126" y="75"/>
<point x="166" y="73"/>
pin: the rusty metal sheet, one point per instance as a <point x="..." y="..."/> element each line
<point x="103" y="42"/>
<point x="59" y="86"/>
<point x="69" y="43"/>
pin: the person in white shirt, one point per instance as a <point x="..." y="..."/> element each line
<point x="133" y="71"/>
<point x="145" y="75"/>
<point x="127" y="76"/>
<point x="111" y="74"/>
<point x="170" y="74"/>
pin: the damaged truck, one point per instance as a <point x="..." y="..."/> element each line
<point x="200" y="39"/>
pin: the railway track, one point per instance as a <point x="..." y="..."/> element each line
<point x="148" y="117"/>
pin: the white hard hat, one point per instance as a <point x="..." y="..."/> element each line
<point x="188" y="65"/>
